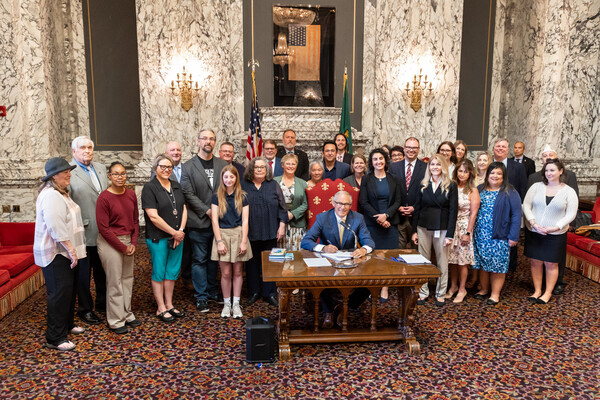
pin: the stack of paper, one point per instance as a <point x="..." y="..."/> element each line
<point x="413" y="259"/>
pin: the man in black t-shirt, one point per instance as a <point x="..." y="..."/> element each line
<point x="200" y="179"/>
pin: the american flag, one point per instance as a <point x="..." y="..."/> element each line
<point x="255" y="144"/>
<point x="305" y="45"/>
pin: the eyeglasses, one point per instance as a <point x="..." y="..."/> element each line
<point x="411" y="148"/>
<point x="260" y="167"/>
<point x="269" y="148"/>
<point x="121" y="175"/>
<point x="337" y="203"/>
<point x="166" y="167"/>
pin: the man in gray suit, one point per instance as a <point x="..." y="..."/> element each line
<point x="200" y="179"/>
<point x="87" y="181"/>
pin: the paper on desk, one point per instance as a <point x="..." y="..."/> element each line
<point x="414" y="259"/>
<point x="317" y="262"/>
<point x="338" y="256"/>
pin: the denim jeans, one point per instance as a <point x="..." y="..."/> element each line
<point x="204" y="271"/>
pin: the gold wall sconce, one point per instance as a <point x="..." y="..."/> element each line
<point x="419" y="90"/>
<point x="185" y="88"/>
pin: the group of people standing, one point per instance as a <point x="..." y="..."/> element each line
<point x="219" y="215"/>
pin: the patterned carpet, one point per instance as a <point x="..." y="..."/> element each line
<point x="512" y="351"/>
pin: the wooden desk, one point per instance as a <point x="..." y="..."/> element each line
<point x="373" y="271"/>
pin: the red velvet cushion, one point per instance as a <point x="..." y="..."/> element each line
<point x="26" y="248"/>
<point x="4" y="277"/>
<point x="16" y="233"/>
<point x="571" y="238"/>
<point x="320" y="197"/>
<point x="16" y="263"/>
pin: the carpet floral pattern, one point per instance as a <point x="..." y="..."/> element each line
<point x="469" y="351"/>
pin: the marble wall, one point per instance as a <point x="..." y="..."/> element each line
<point x="410" y="35"/>
<point x="204" y="35"/>
<point x="545" y="81"/>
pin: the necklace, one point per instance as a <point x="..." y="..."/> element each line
<point x="172" y="201"/>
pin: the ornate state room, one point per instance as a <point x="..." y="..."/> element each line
<point x="190" y="209"/>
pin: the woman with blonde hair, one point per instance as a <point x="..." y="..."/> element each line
<point x="434" y="222"/>
<point x="229" y="216"/>
<point x="294" y="194"/>
<point x="482" y="162"/>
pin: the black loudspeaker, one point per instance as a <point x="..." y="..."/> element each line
<point x="261" y="340"/>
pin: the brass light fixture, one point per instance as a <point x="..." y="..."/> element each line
<point x="282" y="54"/>
<point x="185" y="89"/>
<point x="419" y="90"/>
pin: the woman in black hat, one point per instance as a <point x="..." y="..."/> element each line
<point x="58" y="245"/>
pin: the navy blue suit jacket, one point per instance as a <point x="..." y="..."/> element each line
<point x="326" y="230"/>
<point x="409" y="195"/>
<point x="517" y="177"/>
<point x="339" y="171"/>
<point x="277" y="168"/>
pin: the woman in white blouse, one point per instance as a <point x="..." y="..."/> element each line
<point x="58" y="246"/>
<point x="549" y="207"/>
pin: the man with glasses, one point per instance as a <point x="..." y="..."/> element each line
<point x="270" y="153"/>
<point x="227" y="153"/>
<point x="335" y="231"/>
<point x="88" y="180"/>
<point x="409" y="172"/>
<point x="289" y="147"/>
<point x="200" y="179"/>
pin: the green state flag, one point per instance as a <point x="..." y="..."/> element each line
<point x="345" y="127"/>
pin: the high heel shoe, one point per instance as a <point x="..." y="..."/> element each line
<point x="450" y="294"/>
<point x="480" y="296"/>
<point x="459" y="297"/>
<point x="532" y="299"/>
<point x="540" y="301"/>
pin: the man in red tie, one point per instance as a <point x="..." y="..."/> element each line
<point x="270" y="151"/>
<point x="410" y="172"/>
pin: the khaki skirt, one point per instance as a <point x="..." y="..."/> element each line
<point x="232" y="238"/>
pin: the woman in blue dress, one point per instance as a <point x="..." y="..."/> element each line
<point x="380" y="197"/>
<point x="496" y="230"/>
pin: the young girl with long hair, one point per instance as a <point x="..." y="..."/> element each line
<point x="229" y="215"/>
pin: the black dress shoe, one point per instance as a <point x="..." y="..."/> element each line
<point x="133" y="323"/>
<point x="120" y="330"/>
<point x="272" y="300"/>
<point x="491" y="302"/>
<point x="254" y="298"/>
<point x="481" y="296"/>
<point x="421" y="302"/>
<point x="328" y="321"/>
<point x="89" y="318"/>
<point x="558" y="289"/>
<point x="532" y="299"/>
<point x="540" y="301"/>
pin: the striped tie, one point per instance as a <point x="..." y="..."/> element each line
<point x="408" y="175"/>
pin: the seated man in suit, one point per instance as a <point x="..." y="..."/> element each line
<point x="331" y="229"/>
<point x="333" y="168"/>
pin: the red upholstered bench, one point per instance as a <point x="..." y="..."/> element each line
<point x="19" y="276"/>
<point x="583" y="253"/>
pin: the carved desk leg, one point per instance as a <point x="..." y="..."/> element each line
<point x="284" y="327"/>
<point x="345" y="293"/>
<point x="407" y="307"/>
<point x="316" y="295"/>
<point x="374" y="294"/>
